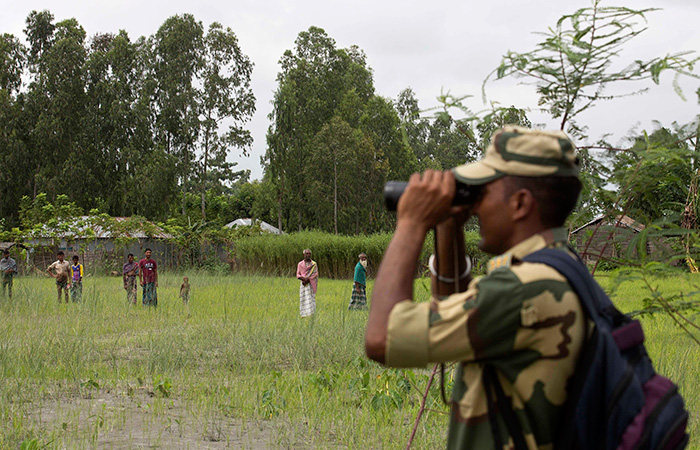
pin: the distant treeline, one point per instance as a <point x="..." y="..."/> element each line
<point x="148" y="127"/>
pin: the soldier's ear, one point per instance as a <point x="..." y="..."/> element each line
<point x="522" y="204"/>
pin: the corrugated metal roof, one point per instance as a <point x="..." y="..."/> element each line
<point x="100" y="232"/>
<point x="624" y="221"/>
<point x="247" y="222"/>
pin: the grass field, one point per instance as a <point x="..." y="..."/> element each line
<point x="236" y="368"/>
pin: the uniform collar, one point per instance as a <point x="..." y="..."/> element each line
<point x="548" y="238"/>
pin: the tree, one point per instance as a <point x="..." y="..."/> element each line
<point x="499" y="118"/>
<point x="313" y="82"/>
<point x="225" y="96"/>
<point x="178" y="50"/>
<point x="347" y="169"/>
<point x="381" y="123"/>
<point x="40" y="34"/>
<point x="656" y="172"/>
<point x="12" y="165"/>
<point x="439" y="143"/>
<point x="55" y="102"/>
<point x="12" y="61"/>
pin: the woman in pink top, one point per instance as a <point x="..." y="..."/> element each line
<point x="307" y="273"/>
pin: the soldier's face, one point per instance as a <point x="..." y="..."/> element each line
<point x="495" y="224"/>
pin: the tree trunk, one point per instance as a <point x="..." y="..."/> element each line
<point x="184" y="197"/>
<point x="184" y="182"/>
<point x="279" y="203"/>
<point x="335" y="197"/>
<point x="204" y="175"/>
<point x="299" y="208"/>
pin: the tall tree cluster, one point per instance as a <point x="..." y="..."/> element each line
<point x="333" y="143"/>
<point x="122" y="126"/>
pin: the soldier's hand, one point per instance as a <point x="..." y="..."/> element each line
<point x="427" y="199"/>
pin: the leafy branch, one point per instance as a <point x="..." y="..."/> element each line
<point x="572" y="68"/>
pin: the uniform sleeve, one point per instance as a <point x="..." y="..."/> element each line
<point x="481" y="322"/>
<point x="407" y="335"/>
<point x="81" y="271"/>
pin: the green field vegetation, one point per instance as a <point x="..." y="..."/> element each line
<point x="236" y="368"/>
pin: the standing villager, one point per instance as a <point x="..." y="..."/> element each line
<point x="129" y="271"/>
<point x="76" y="290"/>
<point x="185" y="290"/>
<point x="358" y="298"/>
<point x="521" y="327"/>
<point x="307" y="273"/>
<point x="148" y="276"/>
<point x="61" y="271"/>
<point x="8" y="269"/>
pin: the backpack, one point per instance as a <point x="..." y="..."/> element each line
<point x="615" y="399"/>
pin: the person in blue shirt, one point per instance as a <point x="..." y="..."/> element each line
<point x="358" y="299"/>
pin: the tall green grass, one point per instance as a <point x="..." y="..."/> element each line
<point x="236" y="368"/>
<point x="336" y="255"/>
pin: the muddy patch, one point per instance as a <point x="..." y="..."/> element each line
<point x="139" y="419"/>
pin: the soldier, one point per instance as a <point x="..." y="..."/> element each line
<point x="522" y="319"/>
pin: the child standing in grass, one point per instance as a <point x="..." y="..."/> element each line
<point x="185" y="290"/>
<point x="76" y="291"/>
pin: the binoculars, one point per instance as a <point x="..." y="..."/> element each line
<point x="464" y="195"/>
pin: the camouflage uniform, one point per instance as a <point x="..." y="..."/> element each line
<point x="522" y="318"/>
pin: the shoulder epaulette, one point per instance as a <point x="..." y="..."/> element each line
<point x="500" y="261"/>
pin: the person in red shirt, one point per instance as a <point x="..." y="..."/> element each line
<point x="148" y="277"/>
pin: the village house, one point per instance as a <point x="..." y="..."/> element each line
<point x="101" y="243"/>
<point x="616" y="238"/>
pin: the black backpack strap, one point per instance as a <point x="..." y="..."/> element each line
<point x="490" y="379"/>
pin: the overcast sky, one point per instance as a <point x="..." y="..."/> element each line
<point x="426" y="45"/>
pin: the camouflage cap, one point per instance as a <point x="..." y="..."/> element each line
<point x="521" y="151"/>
